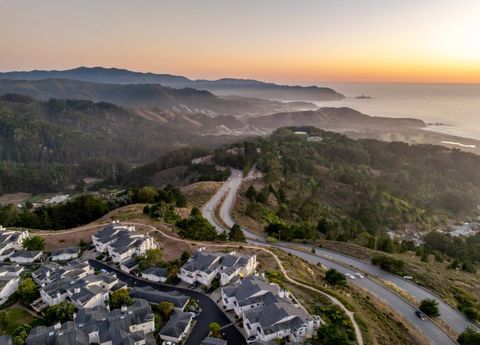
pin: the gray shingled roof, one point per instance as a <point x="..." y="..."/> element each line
<point x="157" y="271"/>
<point x="155" y="296"/>
<point x="70" y="250"/>
<point x="177" y="324"/>
<point x="213" y="341"/>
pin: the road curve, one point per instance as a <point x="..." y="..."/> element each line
<point x="340" y="261"/>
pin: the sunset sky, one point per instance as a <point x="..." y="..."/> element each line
<point x="294" y="41"/>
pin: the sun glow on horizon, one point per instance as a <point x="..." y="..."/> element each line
<point x="276" y="40"/>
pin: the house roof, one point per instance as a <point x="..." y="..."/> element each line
<point x="156" y="271"/>
<point x="177" y="324"/>
<point x="213" y="341"/>
<point x="28" y="254"/>
<point x="155" y="296"/>
<point x="70" y="251"/>
<point x="130" y="263"/>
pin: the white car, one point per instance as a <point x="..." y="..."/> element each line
<point x="351" y="276"/>
<point x="359" y="275"/>
<point x="165" y="342"/>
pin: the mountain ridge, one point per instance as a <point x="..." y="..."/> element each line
<point x="223" y="86"/>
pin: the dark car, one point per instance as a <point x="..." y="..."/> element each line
<point x="420" y="315"/>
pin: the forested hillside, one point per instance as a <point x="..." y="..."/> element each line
<point x="327" y="183"/>
<point x="46" y="146"/>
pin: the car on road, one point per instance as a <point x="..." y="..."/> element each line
<point x="359" y="275"/>
<point x="252" y="339"/>
<point x="349" y="275"/>
<point x="420" y="315"/>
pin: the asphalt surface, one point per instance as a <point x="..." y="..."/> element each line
<point x="340" y="261"/>
<point x="211" y="312"/>
<point x="456" y="320"/>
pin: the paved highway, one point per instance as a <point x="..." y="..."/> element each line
<point x="340" y="261"/>
<point x="210" y="310"/>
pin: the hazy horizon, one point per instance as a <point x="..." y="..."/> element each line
<point x="280" y="41"/>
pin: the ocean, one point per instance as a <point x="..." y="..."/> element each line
<point x="447" y="108"/>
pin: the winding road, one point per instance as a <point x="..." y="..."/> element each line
<point x="350" y="265"/>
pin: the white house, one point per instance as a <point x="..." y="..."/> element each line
<point x="203" y="267"/>
<point x="177" y="328"/>
<point x="268" y="311"/>
<point x="9" y="280"/>
<point x="122" y="242"/>
<point x="65" y="254"/>
<point x="10" y="239"/>
<point x="108" y="235"/>
<point x="26" y="256"/>
<point x="155" y="274"/>
<point x="129" y="265"/>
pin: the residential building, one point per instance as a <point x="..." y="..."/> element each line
<point x="204" y="267"/>
<point x="26" y="256"/>
<point x="156" y="296"/>
<point x="122" y="242"/>
<point x="65" y="254"/>
<point x="10" y="239"/>
<point x="131" y="325"/>
<point x="213" y="341"/>
<point x="9" y="280"/>
<point x="177" y="327"/>
<point x="129" y="265"/>
<point x="155" y="274"/>
<point x="76" y="282"/>
<point x="268" y="311"/>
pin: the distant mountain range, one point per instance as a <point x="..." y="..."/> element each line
<point x="226" y="86"/>
<point x="187" y="100"/>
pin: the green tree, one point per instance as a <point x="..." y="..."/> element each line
<point x="154" y="257"/>
<point x="61" y="312"/>
<point x="469" y="337"/>
<point x="20" y="334"/>
<point x="214" y="329"/>
<point x="27" y="290"/>
<point x="34" y="243"/>
<point x="236" y="234"/>
<point x="331" y="335"/>
<point x="195" y="212"/>
<point x="429" y="307"/>
<point x="3" y="319"/>
<point x="120" y="298"/>
<point x="336" y="278"/>
<point x="251" y="193"/>
<point x="197" y="228"/>
<point x="165" y="309"/>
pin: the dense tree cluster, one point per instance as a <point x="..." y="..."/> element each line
<point x="346" y="189"/>
<point x="197" y="228"/>
<point x="75" y="212"/>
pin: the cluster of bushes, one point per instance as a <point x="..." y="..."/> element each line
<point x="337" y="330"/>
<point x="389" y="264"/>
<point x="162" y="202"/>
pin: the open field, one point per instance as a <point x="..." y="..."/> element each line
<point x="14" y="199"/>
<point x="199" y="193"/>
<point x="16" y="316"/>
